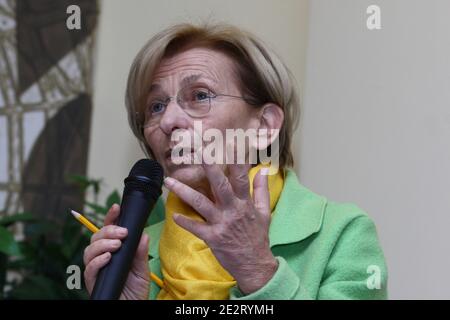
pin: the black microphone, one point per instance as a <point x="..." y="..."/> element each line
<point x="142" y="189"/>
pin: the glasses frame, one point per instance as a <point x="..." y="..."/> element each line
<point x="166" y="102"/>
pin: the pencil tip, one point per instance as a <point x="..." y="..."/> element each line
<point x="74" y="213"/>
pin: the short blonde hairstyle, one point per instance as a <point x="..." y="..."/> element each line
<point x="262" y="75"/>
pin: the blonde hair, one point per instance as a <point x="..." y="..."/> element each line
<point x="262" y="75"/>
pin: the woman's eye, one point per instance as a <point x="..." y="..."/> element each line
<point x="200" y="95"/>
<point x="156" y="107"/>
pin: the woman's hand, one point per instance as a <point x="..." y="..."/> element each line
<point x="236" y="227"/>
<point x="98" y="253"/>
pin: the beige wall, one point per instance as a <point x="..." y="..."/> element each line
<point x="376" y="129"/>
<point x="125" y="26"/>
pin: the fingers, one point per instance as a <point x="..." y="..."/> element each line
<point x="112" y="214"/>
<point x="220" y="186"/>
<point x="99" y="247"/>
<point x="239" y="179"/>
<point x="199" y="229"/>
<point x="142" y="250"/>
<point x="110" y="232"/>
<point x="107" y="240"/>
<point x="91" y="271"/>
<point x="195" y="199"/>
<point x="98" y="254"/>
<point x="261" y="195"/>
<point x="103" y="242"/>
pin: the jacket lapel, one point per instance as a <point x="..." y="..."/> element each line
<point x="298" y="213"/>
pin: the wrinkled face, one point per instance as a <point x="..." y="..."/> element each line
<point x="208" y="71"/>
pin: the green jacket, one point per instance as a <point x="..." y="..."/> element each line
<point x="325" y="250"/>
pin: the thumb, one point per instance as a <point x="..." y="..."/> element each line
<point x="261" y="195"/>
<point x="142" y="250"/>
<point x="141" y="259"/>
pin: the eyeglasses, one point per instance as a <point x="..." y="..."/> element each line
<point x="195" y="101"/>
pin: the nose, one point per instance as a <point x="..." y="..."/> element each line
<point x="173" y="118"/>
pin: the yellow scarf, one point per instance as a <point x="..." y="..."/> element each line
<point x="190" y="269"/>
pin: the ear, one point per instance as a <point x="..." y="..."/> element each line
<point x="271" y="118"/>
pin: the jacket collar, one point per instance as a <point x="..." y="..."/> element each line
<point x="298" y="214"/>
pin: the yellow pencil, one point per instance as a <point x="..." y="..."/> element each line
<point x="84" y="221"/>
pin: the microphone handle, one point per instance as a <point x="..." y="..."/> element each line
<point x="134" y="211"/>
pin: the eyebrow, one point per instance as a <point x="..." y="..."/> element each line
<point x="190" y="79"/>
<point x="185" y="82"/>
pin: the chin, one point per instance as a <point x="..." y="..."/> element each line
<point x="191" y="175"/>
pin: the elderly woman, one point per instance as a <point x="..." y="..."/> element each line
<point x="230" y="230"/>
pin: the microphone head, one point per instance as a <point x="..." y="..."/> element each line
<point x="148" y="168"/>
<point x="146" y="175"/>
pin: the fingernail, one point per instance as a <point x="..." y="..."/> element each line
<point x="168" y="181"/>
<point x="116" y="243"/>
<point x="121" y="231"/>
<point x="265" y="171"/>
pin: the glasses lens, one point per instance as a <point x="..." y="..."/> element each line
<point x="153" y="111"/>
<point x="196" y="101"/>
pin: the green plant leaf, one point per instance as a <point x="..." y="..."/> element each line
<point x="8" y="244"/>
<point x="36" y="287"/>
<point x="114" y="197"/>
<point x="72" y="236"/>
<point x="21" y="264"/>
<point x="49" y="247"/>
<point x="84" y="182"/>
<point x="40" y="228"/>
<point x="19" y="217"/>
<point x="81" y="181"/>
